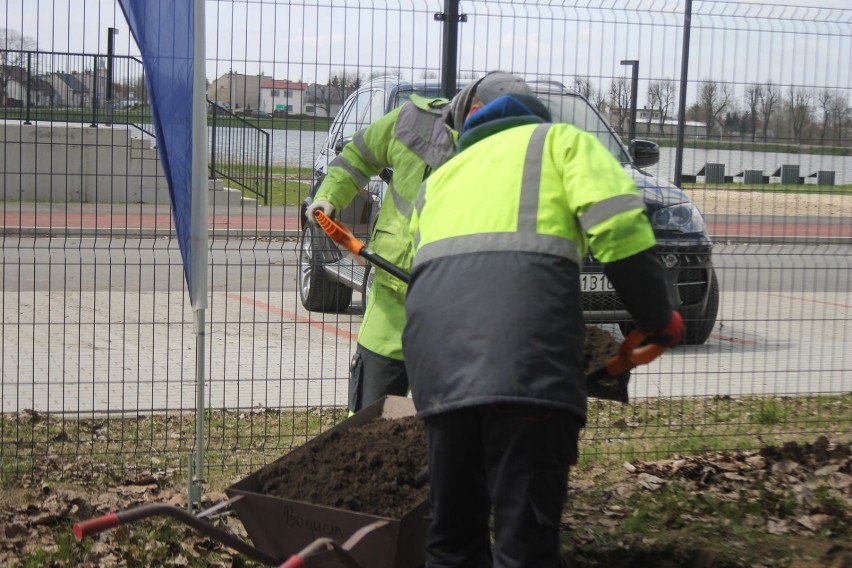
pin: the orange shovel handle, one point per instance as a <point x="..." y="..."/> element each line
<point x="338" y="233"/>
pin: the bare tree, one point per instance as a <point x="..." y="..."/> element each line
<point x="387" y="72"/>
<point x="661" y="95"/>
<point x="600" y="100"/>
<point x="584" y="87"/>
<point x="753" y="93"/>
<point x="12" y="56"/>
<point x="769" y="98"/>
<point x="799" y="107"/>
<point x="714" y="98"/>
<point x="841" y="115"/>
<point x="619" y="101"/>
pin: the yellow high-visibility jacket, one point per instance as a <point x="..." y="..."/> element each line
<point x="412" y="140"/>
<point x="500" y="231"/>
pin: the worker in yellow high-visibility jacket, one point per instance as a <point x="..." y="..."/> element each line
<point x="412" y="140"/>
<point x="494" y="334"/>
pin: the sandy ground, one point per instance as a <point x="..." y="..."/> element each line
<point x="727" y="202"/>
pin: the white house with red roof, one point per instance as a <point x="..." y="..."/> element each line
<point x="282" y="96"/>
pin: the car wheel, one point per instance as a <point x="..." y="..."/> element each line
<point x="698" y="326"/>
<point x="317" y="291"/>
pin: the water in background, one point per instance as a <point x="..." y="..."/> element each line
<point x="300" y="148"/>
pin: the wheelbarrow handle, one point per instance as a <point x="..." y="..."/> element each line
<point x="96" y="525"/>
<point x="112" y="520"/>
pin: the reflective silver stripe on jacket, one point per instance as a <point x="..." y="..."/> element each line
<point x="425" y="134"/>
<point x="366" y="153"/>
<point x="499" y="242"/>
<point x="526" y="239"/>
<point x="531" y="180"/>
<point x="603" y="210"/>
<point x="341" y="162"/>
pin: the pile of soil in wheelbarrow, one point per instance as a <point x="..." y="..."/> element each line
<point x="372" y="468"/>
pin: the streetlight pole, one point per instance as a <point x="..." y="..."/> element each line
<point x="634" y="93"/>
<point x="111" y="33"/>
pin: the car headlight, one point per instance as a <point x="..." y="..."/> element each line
<point x="683" y="217"/>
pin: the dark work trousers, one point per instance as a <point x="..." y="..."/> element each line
<point x="512" y="458"/>
<point x="372" y="376"/>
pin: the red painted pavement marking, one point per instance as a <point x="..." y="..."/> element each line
<point x="296" y="317"/>
<point x="130" y="220"/>
<point x="809" y="300"/>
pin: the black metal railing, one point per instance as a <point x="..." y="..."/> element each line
<point x="239" y="151"/>
<point x="108" y="89"/>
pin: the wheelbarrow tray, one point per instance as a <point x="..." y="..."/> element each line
<point x="283" y="527"/>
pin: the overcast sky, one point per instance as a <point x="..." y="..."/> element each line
<point x="736" y="42"/>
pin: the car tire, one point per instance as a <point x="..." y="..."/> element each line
<point x="317" y="291"/>
<point x="699" y="326"/>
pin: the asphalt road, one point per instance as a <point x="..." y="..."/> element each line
<point x="104" y="324"/>
<point x="88" y="264"/>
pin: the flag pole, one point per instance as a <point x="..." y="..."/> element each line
<point x="198" y="238"/>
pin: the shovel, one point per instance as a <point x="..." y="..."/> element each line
<point x="609" y="382"/>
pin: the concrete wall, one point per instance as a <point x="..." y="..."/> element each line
<point x="65" y="162"/>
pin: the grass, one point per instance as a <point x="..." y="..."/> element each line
<point x="238" y="442"/>
<point x="753" y="146"/>
<point x="103" y="452"/>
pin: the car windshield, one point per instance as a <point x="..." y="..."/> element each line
<point x="565" y="107"/>
<point x="576" y="110"/>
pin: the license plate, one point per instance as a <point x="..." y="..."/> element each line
<point x="595" y="283"/>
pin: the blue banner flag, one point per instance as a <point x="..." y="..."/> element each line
<point x="164" y="32"/>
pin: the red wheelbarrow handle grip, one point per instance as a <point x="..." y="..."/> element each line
<point x="294" y="561"/>
<point x="96" y="525"/>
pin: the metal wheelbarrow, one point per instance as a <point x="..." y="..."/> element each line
<point x="296" y="534"/>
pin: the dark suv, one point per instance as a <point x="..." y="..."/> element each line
<point x="328" y="276"/>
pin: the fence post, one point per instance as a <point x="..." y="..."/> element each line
<point x="684" y="76"/>
<point x="29" y="87"/>
<point x="111" y="33"/>
<point x="449" y="70"/>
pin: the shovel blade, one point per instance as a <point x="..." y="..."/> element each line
<point x="600" y="384"/>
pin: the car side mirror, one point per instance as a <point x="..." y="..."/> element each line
<point x="644" y="152"/>
<point x="340" y="143"/>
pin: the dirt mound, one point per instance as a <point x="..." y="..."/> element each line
<point x="372" y="468"/>
<point x="367" y="469"/>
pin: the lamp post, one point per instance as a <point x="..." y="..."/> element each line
<point x="634" y="93"/>
<point x="110" y="104"/>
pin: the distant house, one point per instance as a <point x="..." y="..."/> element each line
<point x="323" y="100"/>
<point x="241" y="92"/>
<point x="648" y="123"/>
<point x="16" y="84"/>
<point x="282" y="97"/>
<point x="70" y="91"/>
